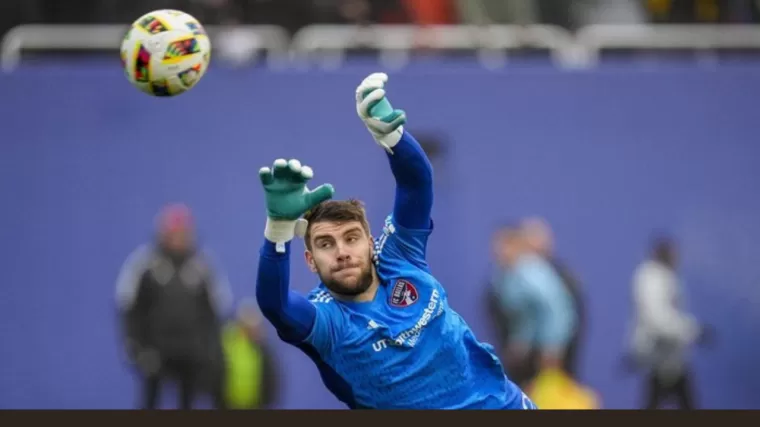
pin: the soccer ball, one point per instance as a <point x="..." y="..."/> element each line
<point x="165" y="52"/>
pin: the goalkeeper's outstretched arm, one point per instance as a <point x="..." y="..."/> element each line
<point x="414" y="183"/>
<point x="291" y="314"/>
<point x="287" y="199"/>
<point x="411" y="167"/>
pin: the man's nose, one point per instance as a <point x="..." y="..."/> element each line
<point x="343" y="254"/>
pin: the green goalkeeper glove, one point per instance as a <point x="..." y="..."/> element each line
<point x="383" y="122"/>
<point x="288" y="198"/>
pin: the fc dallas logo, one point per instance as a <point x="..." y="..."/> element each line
<point x="404" y="294"/>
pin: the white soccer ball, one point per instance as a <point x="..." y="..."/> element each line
<point x="165" y="52"/>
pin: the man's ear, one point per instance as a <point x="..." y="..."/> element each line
<point x="371" y="245"/>
<point x="310" y="261"/>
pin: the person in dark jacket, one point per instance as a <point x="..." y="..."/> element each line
<point x="503" y="257"/>
<point x="171" y="303"/>
<point x="507" y="247"/>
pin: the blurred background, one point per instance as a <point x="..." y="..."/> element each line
<point x="611" y="138"/>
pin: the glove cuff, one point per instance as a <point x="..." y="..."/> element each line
<point x="280" y="232"/>
<point x="390" y="140"/>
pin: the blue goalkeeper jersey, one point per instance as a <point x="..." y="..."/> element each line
<point x="407" y="348"/>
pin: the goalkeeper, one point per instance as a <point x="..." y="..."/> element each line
<point x="378" y="326"/>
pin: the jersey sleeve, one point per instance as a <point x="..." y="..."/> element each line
<point x="398" y="245"/>
<point x="414" y="183"/>
<point x="291" y="314"/>
<point x="406" y="230"/>
<point x="328" y="323"/>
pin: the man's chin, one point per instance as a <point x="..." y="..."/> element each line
<point x="347" y="287"/>
<point x="345" y="291"/>
<point x="350" y="286"/>
<point x="348" y="278"/>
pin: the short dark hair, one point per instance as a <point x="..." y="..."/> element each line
<point x="662" y="246"/>
<point x="340" y="211"/>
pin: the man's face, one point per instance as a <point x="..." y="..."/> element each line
<point x="175" y="228"/>
<point x="538" y="236"/>
<point x="177" y="240"/>
<point x="341" y="254"/>
<point x="670" y="255"/>
<point x="507" y="247"/>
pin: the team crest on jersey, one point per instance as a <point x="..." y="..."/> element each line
<point x="404" y="294"/>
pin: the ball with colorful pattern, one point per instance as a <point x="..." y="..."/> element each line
<point x="165" y="52"/>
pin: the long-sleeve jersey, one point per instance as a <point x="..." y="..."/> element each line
<point x="407" y="348"/>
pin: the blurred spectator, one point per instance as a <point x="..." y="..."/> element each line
<point x="488" y="12"/>
<point x="663" y="331"/>
<point x="520" y="361"/>
<point x="703" y="11"/>
<point x="540" y="240"/>
<point x="431" y="12"/>
<point x="505" y="253"/>
<point x="252" y="378"/>
<point x="289" y="14"/>
<point x="539" y="308"/>
<point x="295" y="14"/>
<point x="579" y="13"/>
<point x="359" y="12"/>
<point x="618" y="12"/>
<point x="171" y="302"/>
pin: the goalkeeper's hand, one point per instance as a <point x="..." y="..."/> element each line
<point x="288" y="198"/>
<point x="384" y="123"/>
